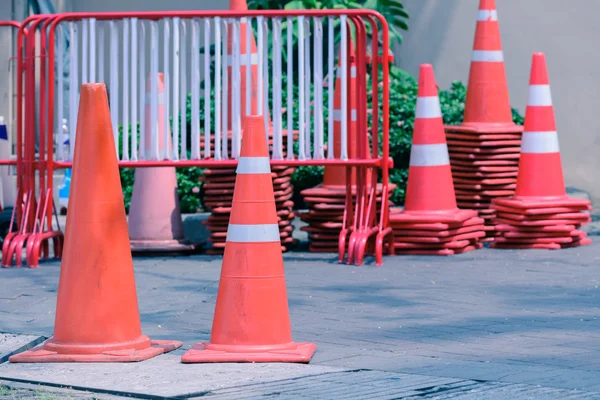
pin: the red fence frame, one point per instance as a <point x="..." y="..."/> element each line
<point x="35" y="229"/>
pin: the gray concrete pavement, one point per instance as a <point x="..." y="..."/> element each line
<point x="488" y="324"/>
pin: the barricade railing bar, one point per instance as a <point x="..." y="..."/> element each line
<point x="216" y="67"/>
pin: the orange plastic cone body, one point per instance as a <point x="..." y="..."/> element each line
<point x="97" y="317"/>
<point x="430" y="188"/>
<point x="154" y="217"/>
<point x="247" y="59"/>
<point x="251" y="322"/>
<point x="336" y="176"/>
<point x="540" y="182"/>
<point x="487" y="105"/>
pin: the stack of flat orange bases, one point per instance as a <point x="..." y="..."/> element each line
<point x="218" y="189"/>
<point x="326" y="205"/>
<point x="540" y="215"/>
<point x="484" y="148"/>
<point x="431" y="223"/>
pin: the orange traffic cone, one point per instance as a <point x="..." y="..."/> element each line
<point x="97" y="317"/>
<point x="251" y="322"/>
<point x="430" y="200"/>
<point x="540" y="182"/>
<point x="154" y="215"/>
<point x="487" y="106"/>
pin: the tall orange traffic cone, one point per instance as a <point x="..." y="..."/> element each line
<point x="154" y="215"/>
<point x="540" y="182"/>
<point x="487" y="106"/>
<point x="430" y="199"/>
<point x="251" y="322"/>
<point x="97" y="317"/>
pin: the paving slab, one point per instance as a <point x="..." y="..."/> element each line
<point x="11" y="344"/>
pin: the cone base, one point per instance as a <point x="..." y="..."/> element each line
<point x="475" y="127"/>
<point x="40" y="355"/>
<point x="212" y="353"/>
<point x="162" y="246"/>
<point x="524" y="202"/>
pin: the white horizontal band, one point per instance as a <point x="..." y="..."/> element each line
<point x="429" y="155"/>
<point x="487" y="15"/>
<point x="428" y="107"/>
<point x="337" y="115"/>
<point x="539" y="142"/>
<point x="253" y="165"/>
<point x="338" y="72"/>
<point x="243" y="59"/>
<point x="253" y="233"/>
<point x="148" y="99"/>
<point x="487" y="55"/>
<point x="539" y="95"/>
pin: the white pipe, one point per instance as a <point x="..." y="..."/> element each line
<point x="330" y="88"/>
<point x="277" y="103"/>
<point x="207" y="88"/>
<point x="134" y="89"/>
<point x="225" y="121"/>
<point x="195" y="90"/>
<point x="183" y="93"/>
<point x="125" y="89"/>
<point x="114" y="83"/>
<point x="74" y="88"/>
<point x="318" y="76"/>
<point x="154" y="90"/>
<point x="290" y="88"/>
<point x="301" y="83"/>
<point x="307" y="91"/>
<point x="176" y="39"/>
<point x="236" y="139"/>
<point x="248" y="56"/>
<point x="218" y="40"/>
<point x="92" y="49"/>
<point x="84" y="51"/>
<point x="101" y="51"/>
<point x="261" y="46"/>
<point x="166" y="155"/>
<point x="142" y="92"/>
<point x="266" y="79"/>
<point x="59" y="93"/>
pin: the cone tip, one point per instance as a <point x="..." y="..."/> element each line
<point x="92" y="87"/>
<point x="539" y="72"/>
<point x="487" y="4"/>
<point x="238" y="5"/>
<point x="427" y="85"/>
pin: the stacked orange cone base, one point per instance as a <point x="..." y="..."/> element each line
<point x="484" y="149"/>
<point x="251" y="322"/>
<point x="431" y="223"/>
<point x="540" y="215"/>
<point x="326" y="205"/>
<point x="97" y="316"/>
<point x="217" y="193"/>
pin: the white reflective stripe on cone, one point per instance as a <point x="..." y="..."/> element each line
<point x="428" y="107"/>
<point x="244" y="59"/>
<point x="487" y="15"/>
<point x="539" y="142"/>
<point x="253" y="165"/>
<point x="260" y="233"/>
<point x="539" y="95"/>
<point x="337" y="115"/>
<point x="487" y="55"/>
<point x="429" y="155"/>
<point x="338" y="72"/>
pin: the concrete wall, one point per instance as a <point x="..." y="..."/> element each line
<point x="441" y="33"/>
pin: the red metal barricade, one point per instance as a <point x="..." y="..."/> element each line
<point x="132" y="51"/>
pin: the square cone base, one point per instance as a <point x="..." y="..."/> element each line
<point x="426" y="237"/>
<point x="484" y="161"/>
<point x="287" y="353"/>
<point x="325" y="216"/>
<point x="552" y="227"/>
<point x="218" y="187"/>
<point x="41" y="354"/>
